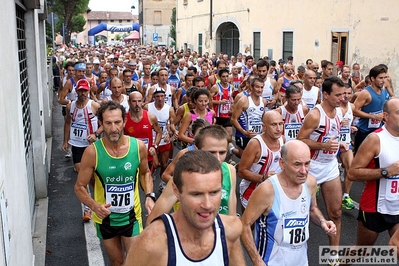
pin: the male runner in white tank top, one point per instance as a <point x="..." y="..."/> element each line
<point x="320" y="131"/>
<point x="281" y="208"/>
<point x="195" y="234"/>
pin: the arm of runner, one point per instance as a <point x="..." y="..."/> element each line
<point x="145" y="176"/>
<point x="233" y="197"/>
<point x="167" y="175"/>
<point x="233" y="230"/>
<point x="260" y="203"/>
<point x="315" y="214"/>
<point x="164" y="203"/>
<point x="249" y="156"/>
<point x="368" y="150"/>
<point x="363" y="99"/>
<point x="67" y="128"/>
<point x="310" y="123"/>
<point x="183" y="128"/>
<point x="61" y="96"/>
<point x="84" y="176"/>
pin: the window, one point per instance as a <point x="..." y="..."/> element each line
<point x="339" y="47"/>
<point x="288" y="44"/>
<point x="120" y="21"/>
<point x="185" y="2"/>
<point x="200" y="43"/>
<point x="99" y="21"/>
<point x="157" y="17"/>
<point x="128" y="20"/>
<point x="112" y="20"/>
<point x="256" y="42"/>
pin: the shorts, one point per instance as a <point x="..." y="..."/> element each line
<point x="224" y="122"/>
<point x="77" y="153"/>
<point x="360" y="136"/>
<point x="242" y="142"/>
<point x="324" y="172"/>
<point x="377" y="222"/>
<point x="63" y="110"/>
<point x="164" y="148"/>
<point x="108" y="232"/>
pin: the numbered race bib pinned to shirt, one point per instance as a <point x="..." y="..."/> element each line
<point x="79" y="131"/>
<point x="121" y="197"/>
<point x="295" y="231"/>
<point x="374" y="123"/>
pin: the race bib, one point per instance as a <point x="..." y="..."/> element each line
<point x="345" y="135"/>
<point x="121" y="197"/>
<point x="145" y="140"/>
<point x="295" y="231"/>
<point x="392" y="188"/>
<point x="328" y="154"/>
<point x="78" y="131"/>
<point x="255" y="126"/>
<point x="374" y="123"/>
<point x="225" y="108"/>
<point x="291" y="130"/>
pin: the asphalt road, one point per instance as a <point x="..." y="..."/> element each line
<point x="66" y="241"/>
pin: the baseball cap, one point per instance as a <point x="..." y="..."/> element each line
<point x="83" y="84"/>
<point x="281" y="60"/>
<point x="239" y="54"/>
<point x="132" y="63"/>
<point x="290" y="57"/>
<point x="96" y="61"/>
<point x="158" y="90"/>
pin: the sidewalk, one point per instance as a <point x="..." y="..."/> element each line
<point x="66" y="244"/>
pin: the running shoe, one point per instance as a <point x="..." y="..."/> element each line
<point x="162" y="186"/>
<point x="231" y="148"/>
<point x="347" y="203"/>
<point x="68" y="154"/>
<point x="232" y="162"/>
<point x="86" y="214"/>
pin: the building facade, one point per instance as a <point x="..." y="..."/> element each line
<point x="156" y="16"/>
<point x="25" y="108"/>
<point x="335" y="30"/>
<point x="94" y="18"/>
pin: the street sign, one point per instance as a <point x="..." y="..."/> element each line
<point x="52" y="17"/>
<point x="155" y="37"/>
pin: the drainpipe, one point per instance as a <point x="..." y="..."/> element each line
<point x="210" y="18"/>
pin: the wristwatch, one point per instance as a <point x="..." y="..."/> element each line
<point x="151" y="195"/>
<point x="384" y="173"/>
<point x="155" y="146"/>
<point x="96" y="134"/>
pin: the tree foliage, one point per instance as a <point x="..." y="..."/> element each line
<point x="70" y="12"/>
<point x="173" y="27"/>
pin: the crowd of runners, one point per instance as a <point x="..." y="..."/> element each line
<point x="280" y="131"/>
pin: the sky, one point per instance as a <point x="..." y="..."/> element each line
<point x="115" y="5"/>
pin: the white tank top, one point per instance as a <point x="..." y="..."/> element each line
<point x="388" y="189"/>
<point x="310" y="97"/>
<point x="267" y="90"/>
<point x="292" y="122"/>
<point x="327" y="128"/>
<point x="345" y="133"/>
<point x="124" y="103"/>
<point x="163" y="119"/>
<point x="83" y="123"/>
<point x="176" y="256"/>
<point x="168" y="94"/>
<point x="268" y="162"/>
<point x="72" y="95"/>
<point x="105" y="93"/>
<point x="254" y="115"/>
<point x="281" y="236"/>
